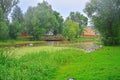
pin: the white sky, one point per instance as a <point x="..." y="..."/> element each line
<point x="64" y="7"/>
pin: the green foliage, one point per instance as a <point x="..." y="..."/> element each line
<point x="1" y="14"/>
<point x="78" y="17"/>
<point x="71" y="29"/>
<point x="106" y="17"/>
<point x="15" y="29"/>
<point x="58" y="28"/>
<point x="32" y="24"/>
<point x="17" y="14"/>
<point x="3" y="30"/>
<point x="6" y="6"/>
<point x="3" y="26"/>
<point x="41" y="20"/>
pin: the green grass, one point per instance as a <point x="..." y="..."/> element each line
<point x="103" y="64"/>
<point x="91" y="38"/>
<point x="60" y="63"/>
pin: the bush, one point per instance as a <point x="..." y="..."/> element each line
<point x="3" y="30"/>
<point x="109" y="41"/>
<point x="53" y="38"/>
<point x="25" y="38"/>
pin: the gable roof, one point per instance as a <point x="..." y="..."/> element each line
<point x="88" y="31"/>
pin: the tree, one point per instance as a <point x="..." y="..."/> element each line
<point x="50" y="19"/>
<point x="5" y="8"/>
<point x="58" y="28"/>
<point x="1" y="15"/>
<point x="16" y="27"/>
<point x="71" y="29"/>
<point x="41" y="20"/>
<point x="7" y="5"/>
<point x="17" y="14"/>
<point x="106" y="18"/>
<point x="33" y="24"/>
<point x="3" y="26"/>
<point x="3" y="30"/>
<point x="78" y="17"/>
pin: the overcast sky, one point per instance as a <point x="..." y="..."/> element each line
<point x="64" y="7"/>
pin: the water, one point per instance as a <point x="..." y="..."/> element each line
<point x="86" y="46"/>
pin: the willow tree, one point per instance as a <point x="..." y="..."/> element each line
<point x="3" y="26"/>
<point x="16" y="26"/>
<point x="106" y="18"/>
<point x="5" y="9"/>
<point x="7" y="5"/>
<point x="79" y="18"/>
<point x="41" y="20"/>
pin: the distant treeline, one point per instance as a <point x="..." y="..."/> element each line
<point x="38" y="21"/>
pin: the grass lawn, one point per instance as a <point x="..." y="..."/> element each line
<point x="61" y="63"/>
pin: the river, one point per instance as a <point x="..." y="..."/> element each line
<point x="88" y="46"/>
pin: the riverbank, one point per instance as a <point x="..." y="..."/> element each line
<point x="61" y="63"/>
<point x="17" y="42"/>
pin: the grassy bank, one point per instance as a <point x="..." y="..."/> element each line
<point x="88" y="38"/>
<point x="60" y="63"/>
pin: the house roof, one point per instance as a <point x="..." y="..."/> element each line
<point x="88" y="31"/>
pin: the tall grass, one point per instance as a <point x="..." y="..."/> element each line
<point x="55" y="63"/>
<point x="6" y="62"/>
<point x="40" y="65"/>
<point x="4" y="56"/>
<point x="43" y="65"/>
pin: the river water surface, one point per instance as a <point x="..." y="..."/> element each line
<point x="87" y="45"/>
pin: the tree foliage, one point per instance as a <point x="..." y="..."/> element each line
<point x="106" y="17"/>
<point x="3" y="26"/>
<point x="58" y="29"/>
<point x="7" y="5"/>
<point x="78" y="17"/>
<point x="17" y="14"/>
<point x="3" y="30"/>
<point x="16" y="27"/>
<point x="42" y="19"/>
<point x="71" y="29"/>
<point x="5" y="8"/>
